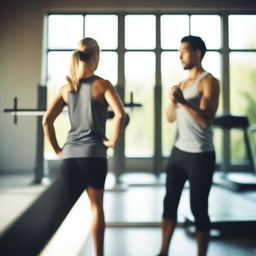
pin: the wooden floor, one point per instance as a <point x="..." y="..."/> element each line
<point x="133" y="214"/>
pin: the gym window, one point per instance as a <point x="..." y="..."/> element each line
<point x="141" y="52"/>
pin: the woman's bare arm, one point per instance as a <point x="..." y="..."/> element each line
<point x="113" y="99"/>
<point x="51" y="114"/>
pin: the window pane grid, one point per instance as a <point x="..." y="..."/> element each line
<point x="66" y="42"/>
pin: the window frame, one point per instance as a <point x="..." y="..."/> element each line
<point x="157" y="162"/>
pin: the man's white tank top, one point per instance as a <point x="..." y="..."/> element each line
<point x="191" y="136"/>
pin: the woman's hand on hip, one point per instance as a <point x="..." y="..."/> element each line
<point x="59" y="154"/>
<point x="108" y="143"/>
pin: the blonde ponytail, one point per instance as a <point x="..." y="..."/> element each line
<point x="86" y="48"/>
<point x="73" y="79"/>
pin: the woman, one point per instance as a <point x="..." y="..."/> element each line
<point x="84" y="154"/>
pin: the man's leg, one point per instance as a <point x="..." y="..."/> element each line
<point x="200" y="173"/>
<point x="174" y="185"/>
<point x="168" y="227"/>
<point x="202" y="238"/>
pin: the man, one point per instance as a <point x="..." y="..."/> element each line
<point x="193" y="105"/>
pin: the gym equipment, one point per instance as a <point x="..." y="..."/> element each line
<point x="40" y="172"/>
<point x="15" y="111"/>
<point x="236" y="180"/>
<point x="232" y="214"/>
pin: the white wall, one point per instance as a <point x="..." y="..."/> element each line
<point x="21" y="33"/>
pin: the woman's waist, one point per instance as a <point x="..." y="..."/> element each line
<point x="85" y="136"/>
<point x="71" y="150"/>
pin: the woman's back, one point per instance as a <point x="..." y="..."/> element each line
<point x="88" y="114"/>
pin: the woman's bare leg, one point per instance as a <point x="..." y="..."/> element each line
<point x="98" y="219"/>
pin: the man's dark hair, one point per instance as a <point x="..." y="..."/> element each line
<point x="196" y="43"/>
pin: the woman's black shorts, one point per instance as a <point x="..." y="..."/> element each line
<point x="87" y="171"/>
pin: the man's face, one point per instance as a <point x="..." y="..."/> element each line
<point x="188" y="56"/>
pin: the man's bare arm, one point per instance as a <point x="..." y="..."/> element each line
<point x="204" y="115"/>
<point x="171" y="110"/>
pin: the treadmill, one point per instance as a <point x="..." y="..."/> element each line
<point x="237" y="180"/>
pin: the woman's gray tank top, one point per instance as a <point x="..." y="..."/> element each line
<point x="191" y="136"/>
<point x="87" y="119"/>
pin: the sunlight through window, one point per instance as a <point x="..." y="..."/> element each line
<point x="173" y="28"/>
<point x="64" y="31"/>
<point x="140" y="31"/>
<point x="102" y="28"/>
<point x="140" y="79"/>
<point x="242" y="31"/>
<point x="208" y="28"/>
